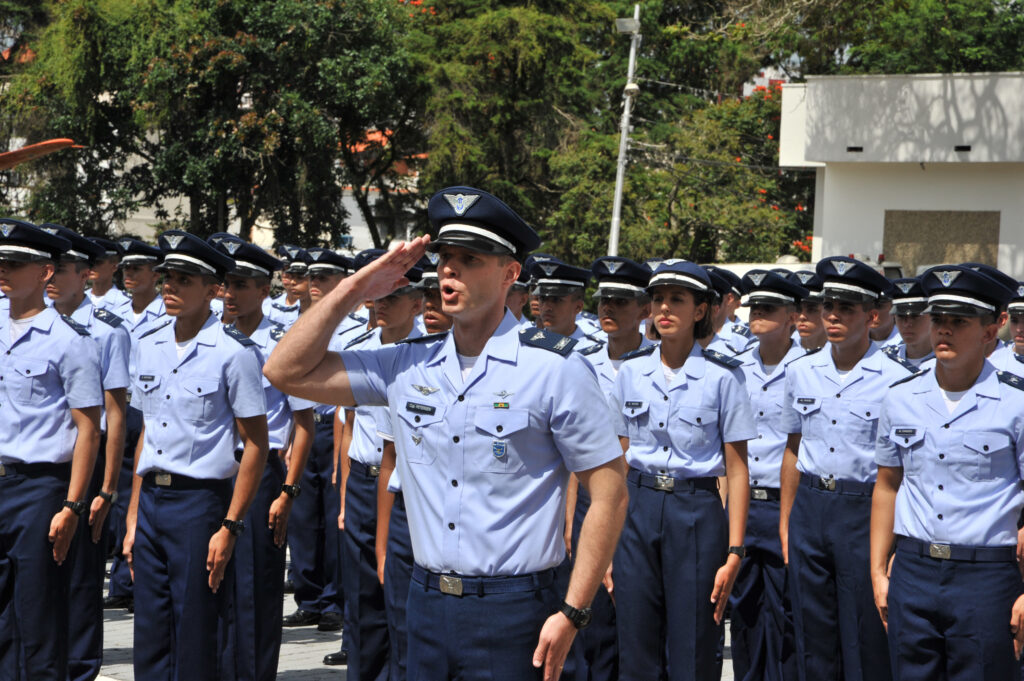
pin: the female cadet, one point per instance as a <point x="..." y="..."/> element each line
<point x="200" y="389"/>
<point x="810" y="329"/>
<point x="684" y="419"/>
<point x="908" y="303"/>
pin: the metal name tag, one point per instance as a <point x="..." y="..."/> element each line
<point x="451" y="585"/>
<point x="940" y="551"/>
<point x="759" y="494"/>
<point x="163" y="479"/>
<point x="664" y="483"/>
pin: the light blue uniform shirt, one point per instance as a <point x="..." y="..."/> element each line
<point x="767" y="397"/>
<point x="114" y="342"/>
<point x="597" y="355"/>
<point x="894" y="338"/>
<point x="1005" y="358"/>
<point x="901" y="352"/>
<point x="278" y="310"/>
<point x="280" y="407"/>
<point x="729" y="343"/>
<point x="507" y="437"/>
<point x="151" y="315"/>
<point x="111" y="300"/>
<point x="838" y="420"/>
<point x="678" y="428"/>
<point x="961" y="472"/>
<point x="190" y="405"/>
<point x="387" y="433"/>
<point x="50" y="370"/>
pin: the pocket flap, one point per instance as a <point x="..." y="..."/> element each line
<point x="148" y="381"/>
<point x="698" y="416"/>
<point x="201" y="387"/>
<point x="986" y="442"/>
<point x="418" y="412"/>
<point x="502" y="422"/>
<point x="906" y="436"/>
<point x="806" y="405"/>
<point x="635" y="407"/>
<point x="866" y="410"/>
<point x="29" y="367"/>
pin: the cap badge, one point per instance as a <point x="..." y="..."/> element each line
<point x="173" y="240"/>
<point x="434" y="258"/>
<point x="6" y="229"/>
<point x="1020" y="291"/>
<point x="653" y="262"/>
<point x="671" y="261"/>
<point x="804" y="277"/>
<point x="548" y="269"/>
<point x="905" y="286"/>
<point x="231" y="246"/>
<point x="125" y="243"/>
<point x="460" y="203"/>
<point x="50" y="230"/>
<point x="841" y="266"/>
<point x="537" y="336"/>
<point x="757" y="278"/>
<point x="947" y="277"/>
<point x="612" y="266"/>
<point x="292" y="251"/>
<point x="315" y="254"/>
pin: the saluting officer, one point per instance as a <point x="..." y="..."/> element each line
<point x="199" y="387"/>
<point x="761" y="622"/>
<point x="88" y="555"/>
<point x="830" y="410"/>
<point x="103" y="293"/>
<point x="491" y="420"/>
<point x="908" y="304"/>
<point x="50" y="402"/>
<point x="950" y="455"/>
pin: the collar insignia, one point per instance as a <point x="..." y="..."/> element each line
<point x="562" y="343"/>
<point x="840" y="266"/>
<point x="424" y="390"/>
<point x="460" y="203"/>
<point x="537" y="336"/>
<point x="947" y="277"/>
<point x="173" y="240"/>
<point x="757" y="278"/>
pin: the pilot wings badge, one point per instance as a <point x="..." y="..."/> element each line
<point x="424" y="390"/>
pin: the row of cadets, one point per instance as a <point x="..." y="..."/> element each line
<point x="683" y="420"/>
<point x="294" y="300"/>
<point x="831" y="407"/>
<point x="950" y="456"/>
<point x="313" y="542"/>
<point x="622" y="305"/>
<point x="485" y="446"/>
<point x="259" y="556"/>
<point x="1015" y="311"/>
<point x="102" y="291"/>
<point x="761" y="624"/>
<point x="559" y="288"/>
<point x="366" y="617"/>
<point x="139" y="313"/>
<point x="908" y="304"/>
<point x="518" y="297"/>
<point x="50" y="404"/>
<point x="883" y="330"/>
<point x="66" y="289"/>
<point x="733" y="337"/>
<point x="199" y="386"/>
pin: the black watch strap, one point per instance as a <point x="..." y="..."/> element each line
<point x="580" y="617"/>
<point x="740" y="551"/>
<point x="77" y="507"/>
<point x="108" y="497"/>
<point x="235" y="527"/>
<point x="291" y="490"/>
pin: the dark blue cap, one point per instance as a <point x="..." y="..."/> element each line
<point x="810" y="280"/>
<point x="474" y="219"/>
<point x="993" y="273"/>
<point x="1016" y="304"/>
<point x="111" y="249"/>
<point x="328" y="261"/>
<point x="139" y="253"/>
<point x="719" y="283"/>
<point x="428" y="267"/>
<point x="734" y="280"/>
<point x="414" y="275"/>
<point x="763" y="287"/>
<point x="556" y="278"/>
<point x="217" y="237"/>
<point x="620" y="277"/>
<point x="250" y="259"/>
<point x="908" y="297"/>
<point x="365" y="257"/>
<point x="295" y="258"/>
<point x="188" y="253"/>
<point x="851" y="280"/>
<point x="964" y="291"/>
<point x="22" y="241"/>
<point x="81" y="249"/>
<point x="676" y="272"/>
<point x="652" y="263"/>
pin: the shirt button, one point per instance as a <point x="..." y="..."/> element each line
<point x="838" y="396"/>
<point x="665" y="448"/>
<point x="455" y="483"/>
<point x="661" y="424"/>
<point x="378" y="449"/>
<point x="756" y="458"/>
<point x="759" y="436"/>
<point x="666" y="396"/>
<point x="868" y="413"/>
<point x="416" y="419"/>
<point x="174" y="371"/>
<point x="499" y="429"/>
<point x="833" y="422"/>
<point x="946" y="426"/>
<point x="760" y="413"/>
<point x="940" y="487"/>
<point x="942" y="456"/>
<point x="985" y="448"/>
<point x="764" y="388"/>
<point x="159" y="451"/>
<point x="165" y="425"/>
<point x="451" y="526"/>
<point x="462" y="398"/>
<point x="455" y="439"/>
<point x="167" y="396"/>
<point x="831" y="449"/>
<point x="698" y="419"/>
<point x="940" y="516"/>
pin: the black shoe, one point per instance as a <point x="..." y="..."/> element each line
<point x="289" y="586"/>
<point x="329" y="621"/>
<point x="116" y="602"/>
<point x="335" y="659"/>
<point x="301" y="618"/>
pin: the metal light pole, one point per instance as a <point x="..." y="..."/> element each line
<point x="632" y="27"/>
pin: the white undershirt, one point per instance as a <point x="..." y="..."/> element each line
<point x="136" y="316"/>
<point x="769" y="368"/>
<point x="182" y="348"/>
<point x="19" y="327"/>
<point x="467" y="364"/>
<point x="669" y="372"/>
<point x="616" y="363"/>
<point x="843" y="375"/>
<point x="916" y="362"/>
<point x="952" y="399"/>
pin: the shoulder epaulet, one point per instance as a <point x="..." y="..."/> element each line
<point x="359" y="339"/>
<point x="1019" y="358"/>
<point x="741" y="330"/>
<point x="547" y="340"/>
<point x="598" y="345"/>
<point x="353" y="315"/>
<point x="232" y="331"/>
<point x="1011" y="379"/>
<point x="909" y="366"/>
<point x="81" y="330"/>
<point x="891" y="350"/>
<point x="277" y="332"/>
<point x="426" y="338"/>
<point x="155" y="329"/>
<point x="594" y="338"/>
<point x="283" y="308"/>
<point x="640" y="352"/>
<point x="749" y="348"/>
<point x="107" y="317"/>
<point x="724" y="360"/>
<point x="918" y="374"/>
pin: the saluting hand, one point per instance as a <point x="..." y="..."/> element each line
<point x="387" y="273"/>
<point x="222" y="545"/>
<point x="62" y="531"/>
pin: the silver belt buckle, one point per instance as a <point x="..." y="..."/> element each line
<point x="163" y="479"/>
<point x="3" y="471"/>
<point x="451" y="585"/>
<point x="664" y="483"/>
<point x="374" y="471"/>
<point x="940" y="551"/>
<point x="828" y="483"/>
<point x="759" y="494"/>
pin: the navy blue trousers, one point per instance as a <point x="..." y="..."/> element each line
<point x="88" y="562"/>
<point x="397" y="575"/>
<point x="599" y="641"/>
<point x="259" y="584"/>
<point x="671" y="547"/>
<point x="839" y="633"/>
<point x="181" y="626"/>
<point x="365" y="616"/>
<point x="120" y="574"/>
<point x="949" y="620"/>
<point x="477" y="638"/>
<point x="33" y="588"/>
<point x="761" y="621"/>
<point x="313" y="530"/>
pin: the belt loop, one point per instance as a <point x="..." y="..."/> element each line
<point x="479" y="587"/>
<point x="536" y="581"/>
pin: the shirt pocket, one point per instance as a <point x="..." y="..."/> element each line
<point x="635" y="416"/>
<point x="986" y="456"/>
<point x="201" y="395"/>
<point x="809" y="409"/>
<point x="145" y="396"/>
<point x="501" y="425"/>
<point x="908" y="440"/>
<point x="693" y="427"/>
<point x="29" y="380"/>
<point x="862" y="425"/>
<point x="421" y="421"/>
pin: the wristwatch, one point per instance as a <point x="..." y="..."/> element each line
<point x="109" y="497"/>
<point x="235" y="527"/>
<point x="291" y="490"/>
<point x="740" y="551"/>
<point x="580" y="617"/>
<point x="77" y="507"/>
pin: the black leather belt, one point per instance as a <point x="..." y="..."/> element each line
<point x="369" y="471"/>
<point x="667" y="483"/>
<point x="458" y="585"/>
<point x="765" y="494"/>
<point x="969" y="554"/>
<point x="831" y="484"/>
<point x="270" y="453"/>
<point x="183" y="482"/>
<point x="36" y="470"/>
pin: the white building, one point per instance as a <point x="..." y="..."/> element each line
<point x="922" y="169"/>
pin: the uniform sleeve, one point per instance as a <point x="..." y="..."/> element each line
<point x="370" y="372"/>
<point x="80" y="373"/>
<point x="298" y="404"/>
<point x="886" y="452"/>
<point x="384" y="427"/>
<point x="616" y="400"/>
<point x="582" y="430"/>
<point x="244" y="376"/>
<point x="115" y="347"/>
<point x="735" y="417"/>
<point x="790" y="420"/>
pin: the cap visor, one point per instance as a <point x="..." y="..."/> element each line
<point x="913" y="309"/>
<point x="847" y="296"/>
<point x="955" y="309"/>
<point x="473" y="243"/>
<point x="547" y="290"/>
<point x="618" y="293"/>
<point x="16" y="256"/>
<point x="765" y="300"/>
<point x="182" y="267"/>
